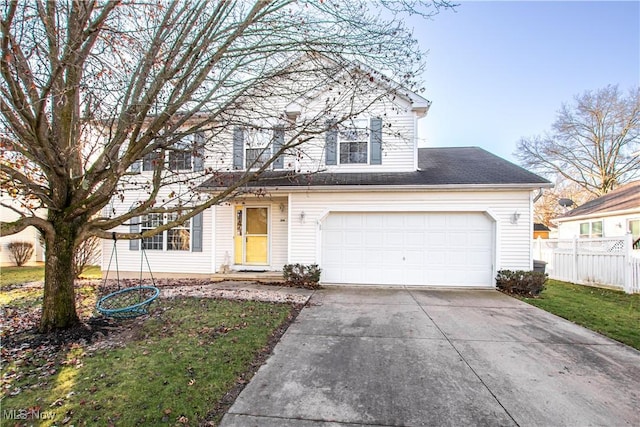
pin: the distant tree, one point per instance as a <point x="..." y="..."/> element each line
<point x="92" y="89"/>
<point x="594" y="142"/>
<point x="548" y="208"/>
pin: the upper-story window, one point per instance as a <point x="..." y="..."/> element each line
<point x="258" y="147"/>
<point x="180" y="156"/>
<point x="185" y="155"/>
<point x="150" y="162"/>
<point x="591" y="229"/>
<point x="353" y="141"/>
<point x="253" y="147"/>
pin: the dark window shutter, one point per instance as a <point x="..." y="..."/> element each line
<point x="196" y="233"/>
<point x="198" y="151"/>
<point x="134" y="227"/>
<point x="331" y="145"/>
<point x="238" y="148"/>
<point x="278" y="142"/>
<point x="376" y="141"/>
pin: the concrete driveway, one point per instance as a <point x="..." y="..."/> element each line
<point x="382" y="357"/>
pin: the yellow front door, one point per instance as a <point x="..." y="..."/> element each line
<point x="251" y="239"/>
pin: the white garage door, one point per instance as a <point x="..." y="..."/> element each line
<point x="399" y="248"/>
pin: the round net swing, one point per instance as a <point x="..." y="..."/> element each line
<point x="129" y="302"/>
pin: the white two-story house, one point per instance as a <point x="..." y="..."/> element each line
<point x="360" y="199"/>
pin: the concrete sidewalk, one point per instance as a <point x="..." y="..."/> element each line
<point x="382" y="357"/>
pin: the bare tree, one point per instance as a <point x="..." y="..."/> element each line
<point x="92" y="89"/>
<point x="548" y="207"/>
<point x="593" y="143"/>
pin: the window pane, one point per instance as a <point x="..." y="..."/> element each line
<point x="151" y="161"/>
<point x="179" y="160"/>
<point x="354" y="143"/>
<point x="634" y="228"/>
<point x="584" y="229"/>
<point x="256" y="220"/>
<point x="178" y="239"/>
<point x="257" y="155"/>
<point x="149" y="222"/>
<point x="596" y="229"/>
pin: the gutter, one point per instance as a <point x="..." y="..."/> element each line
<point x="387" y="188"/>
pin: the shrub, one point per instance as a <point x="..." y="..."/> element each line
<point x="87" y="253"/>
<point x="21" y="252"/>
<point x="529" y="283"/>
<point x="302" y="276"/>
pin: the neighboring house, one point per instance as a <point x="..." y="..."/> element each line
<point x="540" y="231"/>
<point x="612" y="215"/>
<point x="369" y="207"/>
<point x="29" y="234"/>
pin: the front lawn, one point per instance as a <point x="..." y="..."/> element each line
<point x="181" y="365"/>
<point x="609" y="312"/>
<point x="15" y="275"/>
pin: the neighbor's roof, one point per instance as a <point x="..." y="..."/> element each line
<point x="540" y="227"/>
<point x="459" y="166"/>
<point x="621" y="199"/>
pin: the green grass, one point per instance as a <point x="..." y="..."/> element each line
<point x="16" y="275"/>
<point x="10" y="276"/>
<point x="609" y="312"/>
<point x="173" y="367"/>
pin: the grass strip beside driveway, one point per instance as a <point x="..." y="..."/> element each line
<point x="609" y="312"/>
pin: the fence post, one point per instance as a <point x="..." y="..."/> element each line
<point x="574" y="260"/>
<point x="628" y="268"/>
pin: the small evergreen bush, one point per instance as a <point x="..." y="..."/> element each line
<point x="302" y="276"/>
<point x="527" y="283"/>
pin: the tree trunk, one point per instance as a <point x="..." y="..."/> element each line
<point x="59" y="305"/>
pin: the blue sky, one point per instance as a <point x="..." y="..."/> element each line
<point x="498" y="71"/>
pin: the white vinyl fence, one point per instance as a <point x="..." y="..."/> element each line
<point x="602" y="261"/>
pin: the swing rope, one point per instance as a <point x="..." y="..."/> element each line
<point x="128" y="302"/>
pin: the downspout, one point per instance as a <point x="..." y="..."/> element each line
<point x="535" y="199"/>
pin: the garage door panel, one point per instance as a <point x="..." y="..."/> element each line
<point x="393" y="238"/>
<point x="415" y="239"/>
<point x="389" y="248"/>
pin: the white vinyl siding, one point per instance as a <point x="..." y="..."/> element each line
<point x="614" y="225"/>
<point x="181" y="262"/>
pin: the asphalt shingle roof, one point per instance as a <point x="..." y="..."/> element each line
<point x="622" y="198"/>
<point x="437" y="166"/>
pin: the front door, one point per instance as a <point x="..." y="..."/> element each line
<point x="251" y="239"/>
